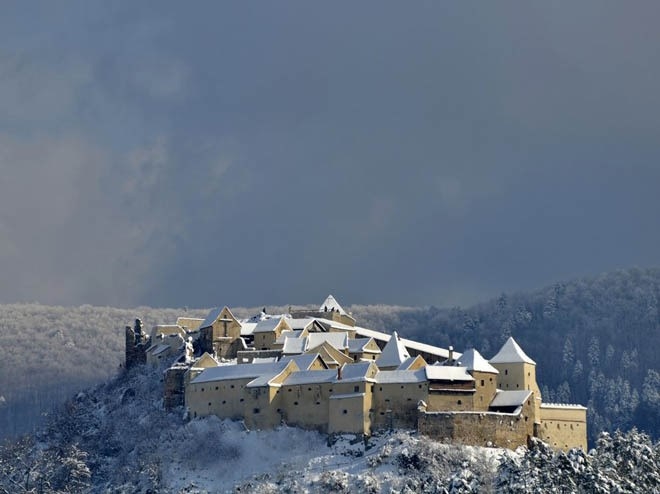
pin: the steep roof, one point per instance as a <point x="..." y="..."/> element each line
<point x="473" y="361"/>
<point x="247" y="328"/>
<point x="511" y="353"/>
<point x="393" y="354"/>
<point x="331" y="303"/>
<point x="211" y="317"/>
<point x="293" y="346"/>
<point x="299" y="324"/>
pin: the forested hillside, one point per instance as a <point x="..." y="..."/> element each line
<point x="595" y="342"/>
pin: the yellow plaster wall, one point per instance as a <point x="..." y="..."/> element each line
<point x="563" y="427"/>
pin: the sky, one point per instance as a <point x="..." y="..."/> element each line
<point x="200" y="154"/>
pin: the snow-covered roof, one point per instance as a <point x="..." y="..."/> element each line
<point x="247" y="328"/>
<point x="337" y="340"/>
<point x="158" y="349"/>
<point x="345" y="396"/>
<point x="356" y="345"/>
<point x="511" y="353"/>
<point x="355" y="372"/>
<point x="401" y="376"/>
<point x="329" y="323"/>
<point x="405" y="365"/>
<point x="304" y="362"/>
<point x="510" y="398"/>
<point x="473" y="361"/>
<point x="413" y="345"/>
<point x="393" y="354"/>
<point x="240" y="371"/>
<point x="288" y="334"/>
<point x="311" y="377"/>
<point x="447" y="373"/>
<point x="294" y="346"/>
<point x="299" y="324"/>
<point x="331" y="303"/>
<point x="267" y="325"/>
<point x="563" y="405"/>
<point x="211" y="317"/>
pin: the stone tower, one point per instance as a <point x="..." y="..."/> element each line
<point x="137" y="342"/>
<point x="517" y="372"/>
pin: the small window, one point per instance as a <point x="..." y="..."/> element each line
<point x="517" y="385"/>
<point x="209" y="403"/>
<point x="345" y="412"/>
<point x="482" y="382"/>
<point x="279" y="410"/>
<point x="295" y="403"/>
<point x="202" y="390"/>
<point x="380" y="388"/>
<point x="460" y="402"/>
<point x="224" y="401"/>
<point x="401" y="387"/>
<point x="216" y="388"/>
<point x="318" y="402"/>
<point x="372" y="388"/>
<point x="420" y="386"/>
<point x="330" y="390"/>
<point x="241" y="400"/>
<point x="309" y="389"/>
<point x="289" y="390"/>
<point x="506" y="372"/>
<point x="356" y="389"/>
<point x="255" y="410"/>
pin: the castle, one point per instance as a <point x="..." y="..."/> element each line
<point x="319" y="370"/>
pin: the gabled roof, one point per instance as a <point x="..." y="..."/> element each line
<point x="357" y="345"/>
<point x="239" y="371"/>
<point x="416" y="362"/>
<point x="511" y="353"/>
<point x="267" y="325"/>
<point x="473" y="361"/>
<point x="305" y="361"/>
<point x="442" y="353"/>
<point x="331" y="303"/>
<point x="326" y="324"/>
<point x="288" y="334"/>
<point x="211" y="317"/>
<point x="447" y="373"/>
<point x="299" y="324"/>
<point x="356" y="372"/>
<point x="393" y="354"/>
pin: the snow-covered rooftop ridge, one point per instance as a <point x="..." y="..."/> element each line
<point x="511" y="353"/>
<point x="473" y="361"/>
<point x="447" y="373"/>
<point x="267" y="325"/>
<point x="304" y="362"/>
<point x="413" y="345"/>
<point x="393" y="354"/>
<point x="401" y="376"/>
<point x="355" y="372"/>
<point x="211" y="317"/>
<point x="563" y="405"/>
<point x="330" y="304"/>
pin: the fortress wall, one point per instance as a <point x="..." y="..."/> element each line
<point x="563" y="427"/>
<point x="476" y="429"/>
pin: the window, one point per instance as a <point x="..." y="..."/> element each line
<point x="506" y="372"/>
<point x="209" y="403"/>
<point x="241" y="400"/>
<point x="202" y="390"/>
<point x="216" y="388"/>
<point x="482" y="382"/>
<point x="255" y="410"/>
<point x="232" y="386"/>
<point x="345" y="412"/>
<point x="295" y="403"/>
<point x="224" y="401"/>
<point x="460" y="402"/>
<point x="356" y="389"/>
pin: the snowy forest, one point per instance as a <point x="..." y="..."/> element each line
<point x="594" y="340"/>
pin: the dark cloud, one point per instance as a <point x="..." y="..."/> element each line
<point x="435" y="154"/>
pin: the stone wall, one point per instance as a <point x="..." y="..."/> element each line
<point x="174" y="394"/>
<point x="476" y="428"/>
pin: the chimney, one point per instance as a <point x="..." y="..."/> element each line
<point x="451" y="354"/>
